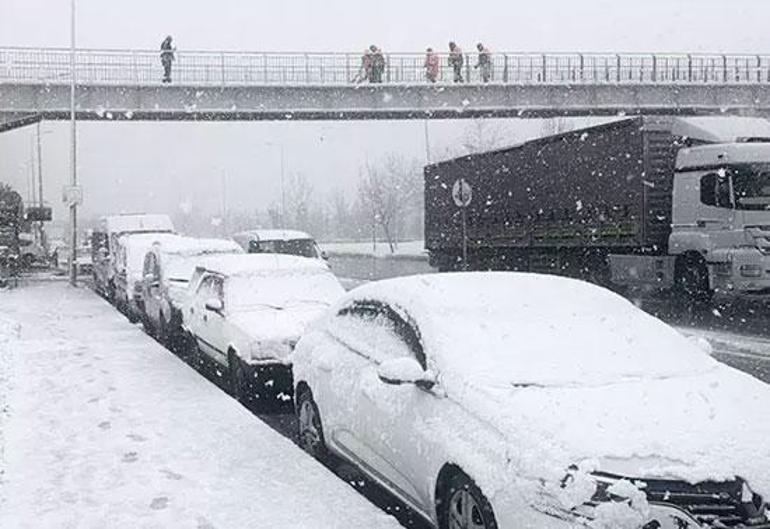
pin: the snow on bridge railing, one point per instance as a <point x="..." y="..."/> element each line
<point x="228" y="68"/>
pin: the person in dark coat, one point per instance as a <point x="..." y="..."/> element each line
<point x="484" y="64"/>
<point x="378" y="64"/>
<point x="167" y="57"/>
<point x="456" y="61"/>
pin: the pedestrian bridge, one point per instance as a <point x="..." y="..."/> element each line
<point x="126" y="85"/>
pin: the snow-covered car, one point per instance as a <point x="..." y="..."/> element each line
<point x="291" y="242"/>
<point x="246" y="313"/>
<point x="512" y="400"/>
<point x="105" y="246"/>
<point x="168" y="267"/>
<point x="130" y="250"/>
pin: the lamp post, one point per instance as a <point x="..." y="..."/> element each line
<point x="73" y="156"/>
<point x="283" y="171"/>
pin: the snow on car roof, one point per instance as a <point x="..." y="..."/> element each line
<point x="260" y="264"/>
<point x="191" y="246"/>
<point x="508" y="328"/>
<point x="138" y="223"/>
<point x="274" y="235"/>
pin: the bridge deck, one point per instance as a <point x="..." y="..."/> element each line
<point x="126" y="84"/>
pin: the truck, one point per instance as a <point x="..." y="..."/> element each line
<point x="108" y="270"/>
<point x="11" y="223"/>
<point x="680" y="205"/>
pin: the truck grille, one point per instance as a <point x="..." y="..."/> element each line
<point x="716" y="505"/>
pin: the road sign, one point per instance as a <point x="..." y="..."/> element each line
<point x="462" y="193"/>
<point x="72" y="195"/>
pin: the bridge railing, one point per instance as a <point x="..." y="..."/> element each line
<point x="206" y="68"/>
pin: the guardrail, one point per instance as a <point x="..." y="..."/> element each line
<point x="209" y="68"/>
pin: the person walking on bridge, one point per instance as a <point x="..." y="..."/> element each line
<point x="456" y="61"/>
<point x="431" y="65"/>
<point x="167" y="57"/>
<point x="484" y="63"/>
<point x="378" y="64"/>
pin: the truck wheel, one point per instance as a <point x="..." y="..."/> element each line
<point x="692" y="281"/>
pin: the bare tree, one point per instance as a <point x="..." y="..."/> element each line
<point x="389" y="191"/>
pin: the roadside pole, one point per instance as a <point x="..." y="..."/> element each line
<point x="73" y="203"/>
<point x="462" y="194"/>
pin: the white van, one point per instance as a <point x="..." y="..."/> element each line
<point x="104" y="243"/>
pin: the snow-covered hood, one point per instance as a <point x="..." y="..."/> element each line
<point x="278" y="324"/>
<point x="713" y="425"/>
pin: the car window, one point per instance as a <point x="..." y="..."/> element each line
<point x="205" y="289"/>
<point x="376" y="331"/>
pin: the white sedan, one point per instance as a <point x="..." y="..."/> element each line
<point x="487" y="400"/>
<point x="245" y="313"/>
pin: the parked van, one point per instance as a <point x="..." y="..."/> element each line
<point x="104" y="245"/>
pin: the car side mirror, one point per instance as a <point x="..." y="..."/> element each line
<point x="215" y="305"/>
<point x="405" y="370"/>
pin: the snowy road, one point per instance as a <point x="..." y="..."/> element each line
<point x="101" y="427"/>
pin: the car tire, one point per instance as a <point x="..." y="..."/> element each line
<point x="162" y="330"/>
<point x="237" y="377"/>
<point x="195" y="355"/>
<point x="462" y="505"/>
<point x="310" y="434"/>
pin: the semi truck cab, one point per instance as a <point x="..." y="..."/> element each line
<point x="721" y="216"/>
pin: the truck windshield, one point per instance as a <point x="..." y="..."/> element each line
<point x="751" y="185"/>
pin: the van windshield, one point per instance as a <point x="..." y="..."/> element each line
<point x="300" y="247"/>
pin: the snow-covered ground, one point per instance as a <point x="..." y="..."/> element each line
<point x="100" y="427"/>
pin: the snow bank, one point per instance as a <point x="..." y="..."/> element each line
<point x="104" y="428"/>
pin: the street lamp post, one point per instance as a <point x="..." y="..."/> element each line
<point x="73" y="155"/>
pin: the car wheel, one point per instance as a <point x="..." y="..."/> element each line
<point x="197" y="360"/>
<point x="163" y="330"/>
<point x="464" y="506"/>
<point x="310" y="434"/>
<point x="237" y="377"/>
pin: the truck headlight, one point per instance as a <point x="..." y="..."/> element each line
<point x="751" y="270"/>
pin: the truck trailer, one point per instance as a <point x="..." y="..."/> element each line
<point x="653" y="203"/>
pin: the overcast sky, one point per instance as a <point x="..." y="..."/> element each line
<point x="156" y="166"/>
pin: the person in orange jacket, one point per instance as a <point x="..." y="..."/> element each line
<point x="431" y="65"/>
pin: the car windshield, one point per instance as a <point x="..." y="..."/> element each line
<point x="281" y="290"/>
<point x="301" y="247"/>
<point x="751" y="185"/>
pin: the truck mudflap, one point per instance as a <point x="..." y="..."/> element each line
<point x="639" y="271"/>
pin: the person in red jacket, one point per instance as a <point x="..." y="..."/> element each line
<point x="431" y="65"/>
